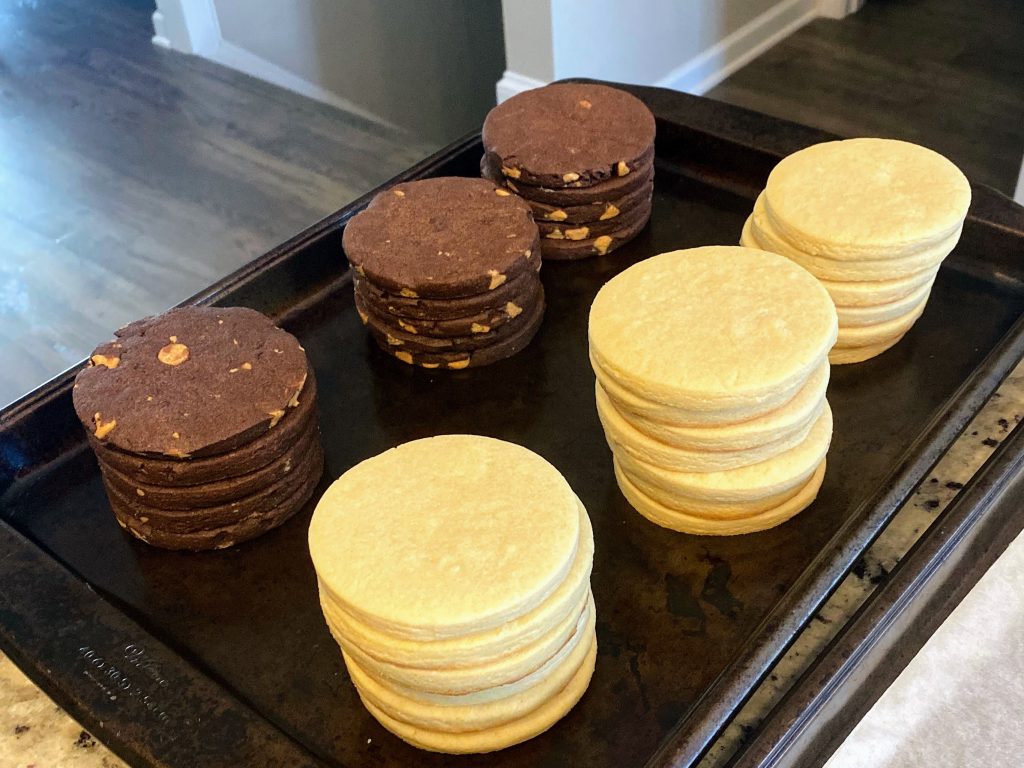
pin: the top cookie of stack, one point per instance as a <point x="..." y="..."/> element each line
<point x="582" y="156"/>
<point x="872" y="219"/>
<point x="447" y="272"/>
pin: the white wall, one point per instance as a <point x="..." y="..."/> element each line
<point x="689" y="45"/>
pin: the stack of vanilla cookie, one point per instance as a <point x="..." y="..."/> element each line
<point x="204" y="424"/>
<point x="872" y="219"/>
<point x="447" y="272"/>
<point x="712" y="365"/>
<point x="454" y="572"/>
<point x="582" y="156"/>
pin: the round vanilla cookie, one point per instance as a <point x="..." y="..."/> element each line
<point x="499" y="737"/>
<point x="851" y="317"/>
<point x="826" y="268"/>
<point x="796" y="415"/>
<point x="753" y="483"/>
<point x="708" y="509"/>
<point x="458" y="714"/>
<point x="445" y="536"/>
<point x="855" y="293"/>
<point x="681" y="417"/>
<point x="848" y="355"/>
<point x="686" y="523"/>
<point x="568" y="599"/>
<point x="625" y="437"/>
<point x="866" y="198"/>
<point x="468" y="674"/>
<point x="719" y="329"/>
<point x="871" y="335"/>
<point x="521" y="665"/>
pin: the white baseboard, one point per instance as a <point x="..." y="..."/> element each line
<point x="160" y="31"/>
<point x="512" y="83"/>
<point x="189" y="26"/>
<point x="1018" y="194"/>
<point x="711" y="66"/>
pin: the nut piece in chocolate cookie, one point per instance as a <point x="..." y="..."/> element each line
<point x="195" y="381"/>
<point x="569" y="135"/>
<point x="442" y="238"/>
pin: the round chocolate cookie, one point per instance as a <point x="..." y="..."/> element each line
<point x="569" y="134"/>
<point x="249" y="458"/>
<point x="609" y="189"/>
<point x="480" y="322"/>
<point x="484" y="356"/>
<point x="518" y="291"/>
<point x="193" y="382"/>
<point x="592" y="212"/>
<point x="626" y="218"/>
<point x="570" y="250"/>
<point x="389" y="336"/>
<point x="215" y="492"/>
<point x="249" y="524"/>
<point x="264" y="501"/>
<point x="442" y="238"/>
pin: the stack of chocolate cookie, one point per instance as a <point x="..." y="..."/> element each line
<point x="582" y="156"/>
<point x="204" y="424"/>
<point x="447" y="272"/>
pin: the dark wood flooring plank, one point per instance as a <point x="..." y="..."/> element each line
<point x="132" y="177"/>
<point x="944" y="73"/>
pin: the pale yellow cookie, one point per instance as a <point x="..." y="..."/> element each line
<point x="505" y="670"/>
<point x="747" y="484"/>
<point x="468" y="673"/>
<point x="866" y="198"/>
<point x="848" y="355"/>
<point x="489" y="527"/>
<point x="683" y="417"/>
<point x="473" y="649"/>
<point x="871" y="335"/>
<point x="459" y="714"/>
<point x="688" y="523"/>
<point x="625" y="437"/>
<point x="708" y="509"/>
<point x="792" y="417"/>
<point x="722" y="329"/>
<point x="881" y="313"/>
<point x="856" y="293"/>
<point x="492" y="739"/>
<point x="825" y="268"/>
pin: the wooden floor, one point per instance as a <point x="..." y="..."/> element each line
<point x="948" y="74"/>
<point x="131" y="177"/>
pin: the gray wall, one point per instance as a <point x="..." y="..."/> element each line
<point x="427" y="66"/>
<point x="528" y="40"/>
<point x="640" y="42"/>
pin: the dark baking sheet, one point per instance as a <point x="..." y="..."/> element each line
<point x="225" y="655"/>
